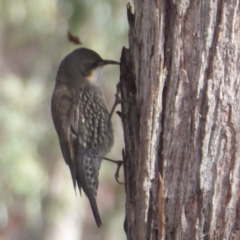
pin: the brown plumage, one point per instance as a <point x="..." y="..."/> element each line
<point x="82" y="120"/>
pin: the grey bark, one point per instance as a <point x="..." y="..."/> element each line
<point x="181" y="122"/>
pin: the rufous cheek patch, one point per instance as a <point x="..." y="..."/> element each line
<point x="89" y="75"/>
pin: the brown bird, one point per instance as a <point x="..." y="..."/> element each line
<point x="82" y="120"/>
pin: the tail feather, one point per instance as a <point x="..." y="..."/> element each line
<point x="95" y="211"/>
<point x="87" y="179"/>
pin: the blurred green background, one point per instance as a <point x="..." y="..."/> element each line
<point x="37" y="199"/>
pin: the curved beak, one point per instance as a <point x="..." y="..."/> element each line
<point x="106" y="62"/>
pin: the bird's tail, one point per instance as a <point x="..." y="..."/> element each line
<point x="87" y="179"/>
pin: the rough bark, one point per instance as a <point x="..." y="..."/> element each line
<point x="181" y="121"/>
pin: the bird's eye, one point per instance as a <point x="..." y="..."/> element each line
<point x="93" y="64"/>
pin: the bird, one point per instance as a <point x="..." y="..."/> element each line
<point x="81" y="120"/>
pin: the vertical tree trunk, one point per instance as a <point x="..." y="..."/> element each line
<point x="182" y="120"/>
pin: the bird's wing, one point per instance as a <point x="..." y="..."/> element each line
<point x="61" y="106"/>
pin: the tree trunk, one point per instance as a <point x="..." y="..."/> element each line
<point x="181" y="120"/>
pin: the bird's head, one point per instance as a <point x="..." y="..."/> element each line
<point x="85" y="62"/>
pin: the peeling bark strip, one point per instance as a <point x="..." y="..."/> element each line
<point x="181" y="77"/>
<point x="160" y="208"/>
<point x="140" y="81"/>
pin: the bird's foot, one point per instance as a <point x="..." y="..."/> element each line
<point x="118" y="100"/>
<point x="119" y="165"/>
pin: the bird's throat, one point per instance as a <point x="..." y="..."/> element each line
<point x="94" y="75"/>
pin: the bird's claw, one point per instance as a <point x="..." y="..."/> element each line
<point x="119" y="164"/>
<point x="118" y="100"/>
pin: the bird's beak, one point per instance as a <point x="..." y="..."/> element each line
<point x="106" y="62"/>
